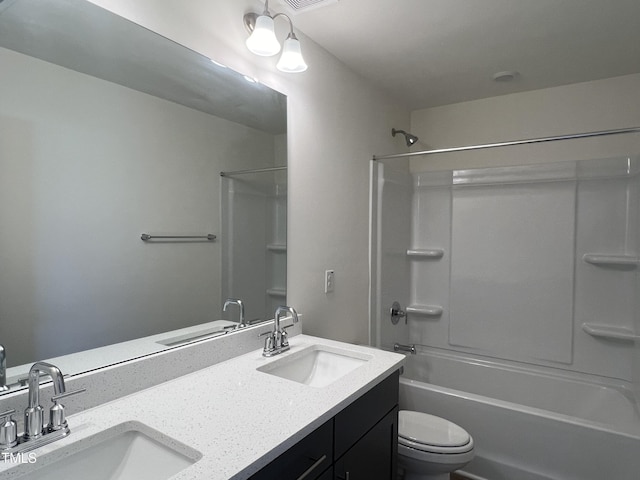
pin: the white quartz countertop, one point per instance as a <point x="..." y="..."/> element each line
<point x="238" y="418"/>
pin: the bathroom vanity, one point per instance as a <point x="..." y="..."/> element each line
<point x="361" y="441"/>
<point x="246" y="417"/>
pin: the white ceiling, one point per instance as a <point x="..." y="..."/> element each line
<point x="436" y="52"/>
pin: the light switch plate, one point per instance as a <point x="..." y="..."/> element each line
<point x="329" y="281"/>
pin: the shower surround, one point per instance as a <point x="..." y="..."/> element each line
<point x="521" y="291"/>
<point x="254" y="241"/>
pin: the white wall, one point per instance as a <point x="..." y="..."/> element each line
<point x="582" y="107"/>
<point x="73" y="203"/>
<point x="337" y="121"/>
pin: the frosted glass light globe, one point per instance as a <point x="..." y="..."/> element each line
<point x="291" y="60"/>
<point x="262" y="40"/>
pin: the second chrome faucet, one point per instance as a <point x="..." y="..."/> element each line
<point x="277" y="341"/>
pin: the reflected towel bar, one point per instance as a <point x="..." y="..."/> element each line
<point x="252" y="170"/>
<point x="145" y="237"/>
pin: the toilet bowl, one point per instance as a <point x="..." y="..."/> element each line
<point x="430" y="447"/>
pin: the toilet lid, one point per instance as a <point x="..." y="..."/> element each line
<point x="426" y="429"/>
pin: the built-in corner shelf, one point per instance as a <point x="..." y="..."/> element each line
<point x="430" y="253"/>
<point x="277" y="292"/>
<point x="276" y="247"/>
<point x="630" y="261"/>
<point x="610" y="332"/>
<point x="426" y="310"/>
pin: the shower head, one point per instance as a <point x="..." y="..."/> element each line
<point x="409" y="138"/>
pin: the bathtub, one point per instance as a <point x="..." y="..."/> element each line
<point x="528" y="423"/>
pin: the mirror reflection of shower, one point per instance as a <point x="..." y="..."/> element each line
<point x="254" y="239"/>
<point x="408" y="137"/>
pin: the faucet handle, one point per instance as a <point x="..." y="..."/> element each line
<point x="8" y="430"/>
<point x="284" y="337"/>
<point x="57" y="418"/>
<point x="269" y="342"/>
<point x="55" y="398"/>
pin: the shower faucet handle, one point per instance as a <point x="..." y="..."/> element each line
<point x="397" y="313"/>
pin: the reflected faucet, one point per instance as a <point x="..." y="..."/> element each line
<point x="3" y="369"/>
<point x="236" y="301"/>
<point x="276" y="341"/>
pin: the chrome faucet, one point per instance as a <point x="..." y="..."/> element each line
<point x="36" y="432"/>
<point x="276" y="341"/>
<point x="236" y="301"/>
<point x="3" y="369"/>
<point x="34" y="413"/>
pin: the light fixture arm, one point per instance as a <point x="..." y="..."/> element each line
<point x="291" y="34"/>
<point x="250" y="20"/>
<point x="262" y="40"/>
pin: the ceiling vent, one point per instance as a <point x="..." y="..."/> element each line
<point x="299" y="6"/>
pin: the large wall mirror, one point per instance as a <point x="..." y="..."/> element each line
<point x="109" y="131"/>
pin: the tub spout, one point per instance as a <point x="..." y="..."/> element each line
<point x="397" y="347"/>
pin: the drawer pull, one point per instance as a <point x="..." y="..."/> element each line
<point x="308" y="471"/>
<point x="346" y="476"/>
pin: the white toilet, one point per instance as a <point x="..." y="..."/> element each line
<point x="430" y="447"/>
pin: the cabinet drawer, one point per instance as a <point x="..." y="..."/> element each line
<point x="374" y="456"/>
<point x="311" y="455"/>
<point x="356" y="420"/>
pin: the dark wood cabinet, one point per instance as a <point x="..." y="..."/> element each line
<point x="359" y="443"/>
<point x="306" y="459"/>
<point x="373" y="457"/>
<point x="328" y="475"/>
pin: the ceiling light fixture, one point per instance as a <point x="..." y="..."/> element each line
<point x="263" y="41"/>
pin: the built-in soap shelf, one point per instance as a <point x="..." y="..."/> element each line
<point x="604" y="260"/>
<point x="610" y="332"/>
<point x="276" y="247"/>
<point x="426" y="310"/>
<point x="277" y="292"/>
<point x="426" y="253"/>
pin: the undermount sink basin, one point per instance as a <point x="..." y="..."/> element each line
<point x="317" y="365"/>
<point x="129" y="451"/>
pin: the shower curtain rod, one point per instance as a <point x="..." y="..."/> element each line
<point x="252" y="170"/>
<point x="600" y="133"/>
